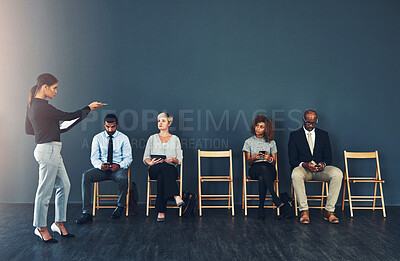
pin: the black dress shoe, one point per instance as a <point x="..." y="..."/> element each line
<point x="84" y="218"/>
<point x="117" y="212"/>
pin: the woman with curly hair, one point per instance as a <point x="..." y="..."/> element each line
<point x="260" y="151"/>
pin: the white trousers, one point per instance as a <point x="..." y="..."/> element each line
<point x="52" y="175"/>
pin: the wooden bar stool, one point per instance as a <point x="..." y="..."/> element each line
<point x="97" y="197"/>
<point x="377" y="179"/>
<point x="225" y="178"/>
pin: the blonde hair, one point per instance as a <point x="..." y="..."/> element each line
<point x="165" y="115"/>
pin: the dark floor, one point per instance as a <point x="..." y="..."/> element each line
<point x="215" y="236"/>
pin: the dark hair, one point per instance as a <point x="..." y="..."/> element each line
<point x="41" y="80"/>
<point x="110" y="118"/>
<point x="269" y="127"/>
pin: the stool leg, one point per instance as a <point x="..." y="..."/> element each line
<point x="148" y="197"/>
<point x="233" y="202"/>
<point x="127" y="203"/>
<point x="373" y="204"/>
<point x="350" y="202"/>
<point x="277" y="193"/>
<point x="344" y="191"/>
<point x="382" y="200"/>
<point x="295" y="201"/>
<point x="95" y="199"/>
<point x="245" y="196"/>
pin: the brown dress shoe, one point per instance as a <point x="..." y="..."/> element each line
<point x="305" y="217"/>
<point x="330" y="216"/>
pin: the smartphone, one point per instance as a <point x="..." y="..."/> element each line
<point x="107" y="163"/>
<point x="317" y="166"/>
<point x="263" y="152"/>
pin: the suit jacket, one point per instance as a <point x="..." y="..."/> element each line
<point x="299" y="151"/>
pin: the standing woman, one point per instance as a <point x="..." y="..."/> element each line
<point x="164" y="170"/>
<point x="261" y="151"/>
<point x="42" y="120"/>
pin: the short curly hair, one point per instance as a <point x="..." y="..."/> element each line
<point x="269" y="129"/>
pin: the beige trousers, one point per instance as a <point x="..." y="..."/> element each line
<point x="330" y="174"/>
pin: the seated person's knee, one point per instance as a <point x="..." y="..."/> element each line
<point x="296" y="174"/>
<point x="122" y="179"/>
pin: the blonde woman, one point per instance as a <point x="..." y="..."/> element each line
<point x="162" y="154"/>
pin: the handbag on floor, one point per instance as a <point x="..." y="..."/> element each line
<point x="190" y="199"/>
<point x="287" y="210"/>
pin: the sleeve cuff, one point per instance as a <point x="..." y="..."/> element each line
<point x="98" y="165"/>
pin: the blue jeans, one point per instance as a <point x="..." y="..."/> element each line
<point x="52" y="174"/>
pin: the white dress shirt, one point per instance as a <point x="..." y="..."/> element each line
<point x="122" y="151"/>
<point x="312" y="138"/>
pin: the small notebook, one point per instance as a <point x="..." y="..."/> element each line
<point x="66" y="124"/>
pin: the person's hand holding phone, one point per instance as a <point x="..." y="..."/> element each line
<point x="311" y="166"/>
<point x="114" y="167"/>
<point x="105" y="166"/>
<point x="256" y="156"/>
<point x="266" y="156"/>
<point x="320" y="166"/>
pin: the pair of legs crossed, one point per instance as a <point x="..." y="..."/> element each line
<point x="265" y="173"/>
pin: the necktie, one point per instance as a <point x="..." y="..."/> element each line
<point x="310" y="143"/>
<point x="110" y="150"/>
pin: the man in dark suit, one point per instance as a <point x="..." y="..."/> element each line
<point x="310" y="158"/>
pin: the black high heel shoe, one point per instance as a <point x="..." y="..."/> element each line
<point x="51" y="240"/>
<point x="55" y="228"/>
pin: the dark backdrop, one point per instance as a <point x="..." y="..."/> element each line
<point x="214" y="65"/>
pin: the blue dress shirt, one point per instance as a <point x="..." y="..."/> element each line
<point x="122" y="151"/>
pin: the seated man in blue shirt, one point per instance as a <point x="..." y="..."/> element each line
<point x="111" y="157"/>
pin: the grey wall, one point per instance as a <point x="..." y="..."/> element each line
<point x="213" y="65"/>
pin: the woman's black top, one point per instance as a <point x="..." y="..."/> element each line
<point x="42" y="120"/>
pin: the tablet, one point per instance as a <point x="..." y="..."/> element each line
<point x="158" y="156"/>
